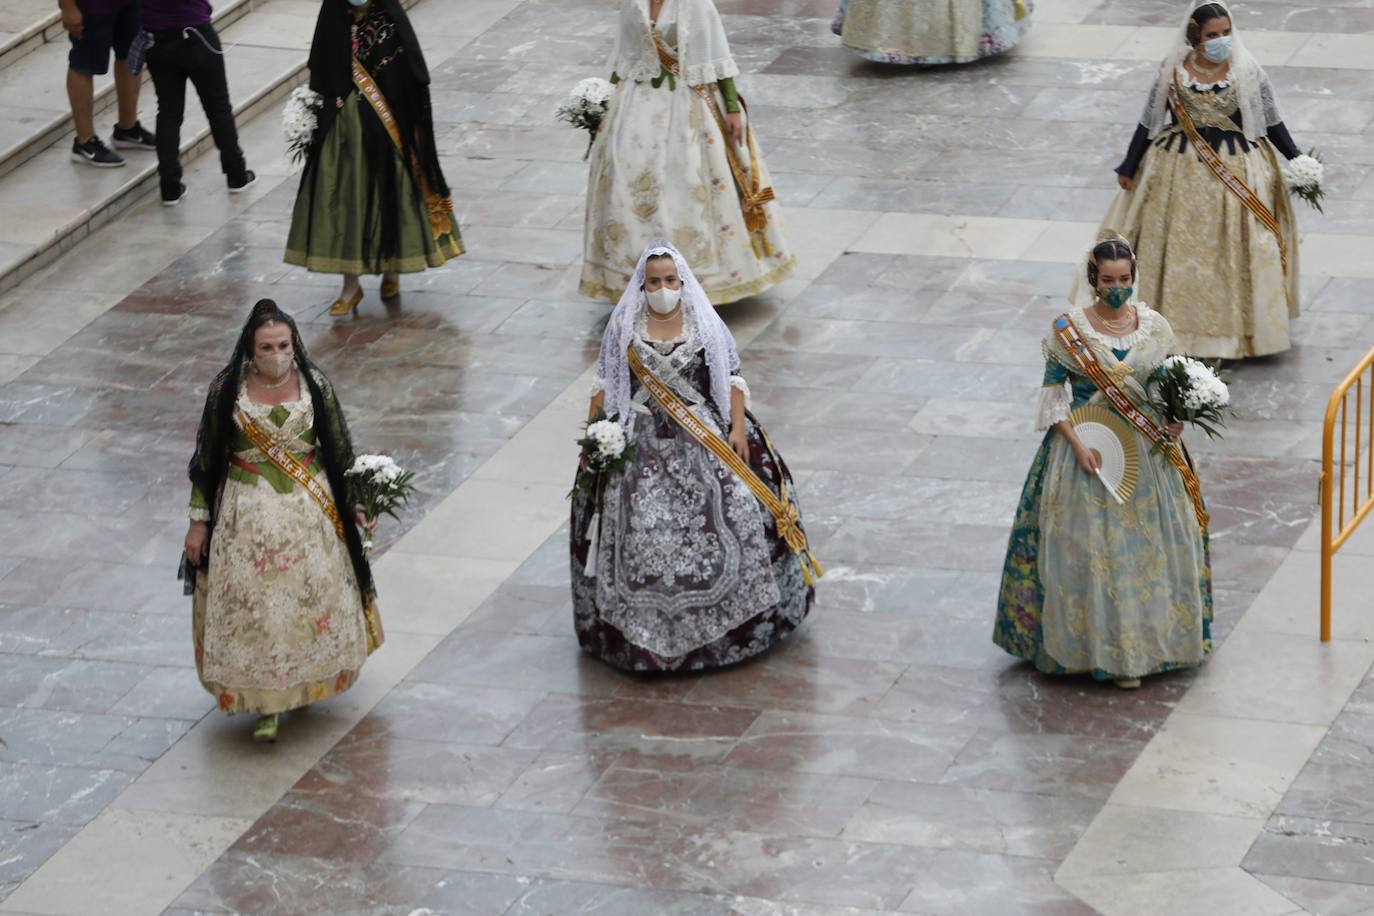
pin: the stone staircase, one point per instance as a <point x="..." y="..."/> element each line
<point x="48" y="202"/>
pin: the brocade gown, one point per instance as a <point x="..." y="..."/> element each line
<point x="342" y="221"/>
<point x="1206" y="262"/>
<point x="277" y="617"/>
<point x="690" y="572"/>
<point x="1089" y="586"/>
<point x="659" y="170"/>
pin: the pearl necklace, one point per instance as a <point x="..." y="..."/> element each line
<point x="671" y="316"/>
<point x="257" y="376"/>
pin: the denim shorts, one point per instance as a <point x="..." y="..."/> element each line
<point x="100" y="34"/>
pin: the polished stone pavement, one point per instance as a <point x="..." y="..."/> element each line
<point x="889" y="758"/>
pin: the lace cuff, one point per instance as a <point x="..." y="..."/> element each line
<point x="1055" y="402"/>
<point x="737" y="381"/>
<point x="711" y="72"/>
<point x="197" y="514"/>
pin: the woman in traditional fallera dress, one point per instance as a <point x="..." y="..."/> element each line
<point x="372" y="197"/>
<point x="926" y="32"/>
<point x="676" y="158"/>
<point x="692" y="556"/>
<point x="1118" y="591"/>
<point x="284" y="610"/>
<point x="1222" y="266"/>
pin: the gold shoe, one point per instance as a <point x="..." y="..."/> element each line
<point x="391" y="288"/>
<point x="343" y="306"/>
<point x="1128" y="683"/>
<point x="266" y="729"/>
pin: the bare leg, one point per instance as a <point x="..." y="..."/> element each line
<point x="81" y="95"/>
<point x="126" y="90"/>
<point x="350" y="286"/>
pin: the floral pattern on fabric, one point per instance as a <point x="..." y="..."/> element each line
<point x="922" y="32"/>
<point x="1205" y="262"/>
<point x="691" y="572"/>
<point x="1092" y="587"/>
<point x="277" y="618"/>
<point x="659" y="169"/>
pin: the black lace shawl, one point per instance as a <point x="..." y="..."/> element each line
<point x="405" y="84"/>
<point x="214" y="440"/>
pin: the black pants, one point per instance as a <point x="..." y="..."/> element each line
<point x="174" y="58"/>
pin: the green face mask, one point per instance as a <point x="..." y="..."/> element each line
<point x="1115" y="296"/>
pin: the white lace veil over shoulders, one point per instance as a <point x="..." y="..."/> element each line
<point x="1258" y="108"/>
<point x="702" y="48"/>
<point x="704" y="324"/>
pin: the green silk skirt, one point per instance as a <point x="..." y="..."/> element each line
<point x="329" y="229"/>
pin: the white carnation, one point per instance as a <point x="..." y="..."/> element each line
<point x="1304" y="172"/>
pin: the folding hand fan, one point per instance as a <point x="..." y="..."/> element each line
<point x="1111" y="440"/>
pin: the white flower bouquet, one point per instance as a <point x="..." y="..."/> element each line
<point x="586" y="106"/>
<point x="1303" y="176"/>
<point x="1187" y="390"/>
<point x="381" y="486"/>
<point x="605" y="448"/>
<point x="299" y="119"/>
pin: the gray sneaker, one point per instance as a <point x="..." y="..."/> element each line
<point x="94" y="152"/>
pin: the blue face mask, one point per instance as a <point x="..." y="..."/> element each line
<point x="1218" y="50"/>
<point x="356" y="2"/>
<point x="1115" y="297"/>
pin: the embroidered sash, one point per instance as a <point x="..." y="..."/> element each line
<point x="1228" y="178"/>
<point x="1087" y="362"/>
<point x="440" y="208"/>
<point x="783" y="510"/>
<point x="291" y="467"/>
<point x="752" y="197"/>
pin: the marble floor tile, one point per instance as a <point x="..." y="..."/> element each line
<point x="1324" y="898"/>
<point x="991" y="885"/>
<point x="1238" y="767"/>
<point x="1320" y="850"/>
<point x="972" y="820"/>
<point x="1129" y="840"/>
<point x="1053" y="764"/>
<point x="1196" y="892"/>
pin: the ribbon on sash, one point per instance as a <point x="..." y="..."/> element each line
<point x="1228" y="178"/>
<point x="440" y="208"/>
<point x="752" y="196"/>
<point x="783" y="510"/>
<point x="1087" y="362"/>
<point x="291" y="467"/>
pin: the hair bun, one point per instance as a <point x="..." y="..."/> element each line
<point x="1111" y="235"/>
<point x="265" y="307"/>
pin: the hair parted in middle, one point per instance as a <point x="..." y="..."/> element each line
<point x="1110" y="246"/>
<point x="1201" y="16"/>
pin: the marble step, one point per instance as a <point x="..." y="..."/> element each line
<point x="34" y="113"/>
<point x="48" y="202"/>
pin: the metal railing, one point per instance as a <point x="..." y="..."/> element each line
<point x="1336" y="499"/>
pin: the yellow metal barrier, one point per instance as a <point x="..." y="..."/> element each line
<point x="1336" y="529"/>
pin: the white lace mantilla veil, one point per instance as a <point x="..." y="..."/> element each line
<point x="1258" y="108"/>
<point x="613" y="367"/>
<point x="702" y="48"/>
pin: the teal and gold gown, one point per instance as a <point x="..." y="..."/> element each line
<point x="364" y="205"/>
<point x="1089" y="586"/>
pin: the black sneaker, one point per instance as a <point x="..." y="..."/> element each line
<point x="240" y="183"/>
<point x="135" y="137"/>
<point x="172" y="194"/>
<point x="96" y="153"/>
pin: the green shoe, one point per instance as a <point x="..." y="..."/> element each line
<point x="266" y="730"/>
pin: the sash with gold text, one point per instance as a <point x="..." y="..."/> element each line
<point x="288" y="465"/>
<point x="1086" y="361"/>
<point x="783" y="510"/>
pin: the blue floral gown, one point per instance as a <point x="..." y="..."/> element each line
<point x="931" y="31"/>
<point x="1089" y="586"/>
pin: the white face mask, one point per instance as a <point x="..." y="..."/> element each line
<point x="663" y="300"/>
<point x="1218" y="49"/>
<point x="273" y="365"/>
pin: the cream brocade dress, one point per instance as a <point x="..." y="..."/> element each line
<point x="1206" y="262"/>
<point x="278" y="619"/>
<point x="659" y="169"/>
